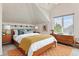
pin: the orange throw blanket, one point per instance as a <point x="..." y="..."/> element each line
<point x="27" y="41"/>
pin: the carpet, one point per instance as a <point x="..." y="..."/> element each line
<point x="60" y="50"/>
<point x="14" y="52"/>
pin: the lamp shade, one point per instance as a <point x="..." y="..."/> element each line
<point x="36" y="27"/>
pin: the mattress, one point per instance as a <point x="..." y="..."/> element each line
<point x="36" y="45"/>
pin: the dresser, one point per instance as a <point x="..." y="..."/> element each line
<point x="6" y="33"/>
<point x="6" y="38"/>
<point x="65" y="39"/>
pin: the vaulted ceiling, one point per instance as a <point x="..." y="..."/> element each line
<point x="26" y="13"/>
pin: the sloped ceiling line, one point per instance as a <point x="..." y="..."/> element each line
<point x="26" y="13"/>
<point x="43" y="13"/>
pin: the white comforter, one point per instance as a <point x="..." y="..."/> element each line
<point x="37" y="45"/>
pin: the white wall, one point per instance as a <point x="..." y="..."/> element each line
<point x="23" y="13"/>
<point x="48" y="26"/>
<point x="65" y="9"/>
<point x="0" y="29"/>
<point x="56" y="10"/>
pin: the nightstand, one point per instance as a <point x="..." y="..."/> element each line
<point x="6" y="38"/>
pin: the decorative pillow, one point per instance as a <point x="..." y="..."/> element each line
<point x="20" y="31"/>
<point x="26" y="31"/>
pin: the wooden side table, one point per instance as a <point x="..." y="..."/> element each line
<point x="6" y="39"/>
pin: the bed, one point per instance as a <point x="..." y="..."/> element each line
<point x="39" y="43"/>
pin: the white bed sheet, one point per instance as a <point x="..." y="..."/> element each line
<point x="37" y="45"/>
<point x="18" y="38"/>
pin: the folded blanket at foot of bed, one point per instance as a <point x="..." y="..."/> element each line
<point x="27" y="41"/>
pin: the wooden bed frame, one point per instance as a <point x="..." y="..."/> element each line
<point x="38" y="52"/>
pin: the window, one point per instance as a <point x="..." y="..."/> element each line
<point x="58" y="25"/>
<point x="64" y="24"/>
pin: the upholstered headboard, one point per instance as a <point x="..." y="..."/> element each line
<point x="22" y="31"/>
